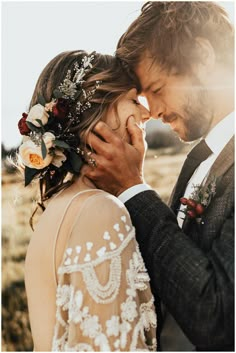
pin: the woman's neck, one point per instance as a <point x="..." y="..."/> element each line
<point x="83" y="183"/>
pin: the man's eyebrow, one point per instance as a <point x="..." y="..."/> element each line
<point x="144" y="90"/>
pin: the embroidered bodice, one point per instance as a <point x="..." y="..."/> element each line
<point x="103" y="297"/>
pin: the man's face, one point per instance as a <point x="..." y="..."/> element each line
<point x="179" y="100"/>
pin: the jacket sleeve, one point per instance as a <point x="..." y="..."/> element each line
<point x="196" y="287"/>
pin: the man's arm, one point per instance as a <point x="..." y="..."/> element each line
<point x="196" y="287"/>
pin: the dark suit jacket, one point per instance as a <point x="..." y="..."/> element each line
<point x="192" y="270"/>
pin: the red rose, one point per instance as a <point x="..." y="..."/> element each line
<point x="61" y="108"/>
<point x="24" y="129"/>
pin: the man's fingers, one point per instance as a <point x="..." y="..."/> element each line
<point x="106" y="132"/>
<point x="137" y="135"/>
<point x="91" y="172"/>
<point x="100" y="143"/>
<point x="96" y="143"/>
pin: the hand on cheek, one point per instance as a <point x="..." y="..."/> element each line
<point x="119" y="164"/>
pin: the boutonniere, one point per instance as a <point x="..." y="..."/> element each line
<point x="198" y="201"/>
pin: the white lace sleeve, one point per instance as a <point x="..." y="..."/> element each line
<point x="104" y="302"/>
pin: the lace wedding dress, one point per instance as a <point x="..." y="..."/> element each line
<point x="103" y="300"/>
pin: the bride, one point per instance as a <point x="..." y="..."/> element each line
<point x="86" y="282"/>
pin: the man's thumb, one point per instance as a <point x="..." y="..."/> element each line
<point x="137" y="134"/>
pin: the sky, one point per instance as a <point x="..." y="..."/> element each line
<point x="33" y="32"/>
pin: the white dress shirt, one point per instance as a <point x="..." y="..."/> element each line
<point x="216" y="139"/>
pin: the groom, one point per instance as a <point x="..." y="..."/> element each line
<point x="183" y="55"/>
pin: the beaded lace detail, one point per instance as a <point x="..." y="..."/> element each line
<point x="103" y="300"/>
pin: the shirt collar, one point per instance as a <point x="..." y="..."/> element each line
<point x="220" y="135"/>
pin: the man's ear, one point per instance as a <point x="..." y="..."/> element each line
<point x="206" y="58"/>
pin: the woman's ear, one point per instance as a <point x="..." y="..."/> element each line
<point x="206" y="55"/>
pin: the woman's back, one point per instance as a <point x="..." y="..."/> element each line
<point x="43" y="257"/>
<point x="100" y="299"/>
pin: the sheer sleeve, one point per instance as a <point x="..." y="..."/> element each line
<point x="103" y="300"/>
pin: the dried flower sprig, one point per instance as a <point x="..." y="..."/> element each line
<point x="48" y="140"/>
<point x="199" y="199"/>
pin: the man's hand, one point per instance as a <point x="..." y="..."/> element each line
<point x="119" y="165"/>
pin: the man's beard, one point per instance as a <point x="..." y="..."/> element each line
<point x="197" y="113"/>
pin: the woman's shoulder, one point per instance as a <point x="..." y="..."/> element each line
<point x="92" y="196"/>
<point x="101" y="231"/>
<point x="104" y="208"/>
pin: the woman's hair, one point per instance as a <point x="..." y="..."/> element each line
<point x="167" y="31"/>
<point x="113" y="83"/>
<point x="105" y="68"/>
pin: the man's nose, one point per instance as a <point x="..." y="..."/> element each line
<point x="156" y="109"/>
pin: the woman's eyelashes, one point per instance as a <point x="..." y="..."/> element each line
<point x="135" y="101"/>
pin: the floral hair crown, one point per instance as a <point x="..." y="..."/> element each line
<point x="49" y="142"/>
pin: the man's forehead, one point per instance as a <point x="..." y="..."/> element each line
<point x="148" y="72"/>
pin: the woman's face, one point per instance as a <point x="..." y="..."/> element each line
<point x="127" y="106"/>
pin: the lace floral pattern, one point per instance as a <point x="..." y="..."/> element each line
<point x="94" y="314"/>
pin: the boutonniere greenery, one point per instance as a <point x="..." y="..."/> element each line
<point x="199" y="199"/>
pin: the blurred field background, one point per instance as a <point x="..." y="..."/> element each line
<point x="162" y="166"/>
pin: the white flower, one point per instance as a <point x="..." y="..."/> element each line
<point x="58" y="158"/>
<point x="129" y="310"/>
<point x="125" y="327"/>
<point x="113" y="326"/>
<point x="87" y="61"/>
<point x="76" y="313"/>
<point x="91" y="327"/>
<point x="79" y="75"/>
<point x="31" y="154"/>
<point x="149" y="318"/>
<point x="37" y="112"/>
<point x="63" y="296"/>
<point x="68" y="88"/>
<point x="102" y="342"/>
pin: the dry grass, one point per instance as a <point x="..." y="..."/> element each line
<point x="161" y="170"/>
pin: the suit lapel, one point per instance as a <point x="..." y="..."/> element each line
<point x="223" y="162"/>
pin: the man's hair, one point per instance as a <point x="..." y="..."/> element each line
<point x="167" y="31"/>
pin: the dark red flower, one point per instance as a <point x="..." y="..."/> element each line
<point x="191" y="213"/>
<point x="24" y="129"/>
<point x="191" y="203"/>
<point x="199" y="209"/>
<point x="183" y="200"/>
<point x="61" y="108"/>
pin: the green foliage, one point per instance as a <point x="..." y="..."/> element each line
<point x="43" y="149"/>
<point x="57" y="94"/>
<point x="61" y="144"/>
<point x="41" y="100"/>
<point x="30" y="174"/>
<point x="76" y="161"/>
<point x="33" y="127"/>
<point x="41" y="124"/>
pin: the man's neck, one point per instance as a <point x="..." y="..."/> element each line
<point x="221" y="92"/>
<point x="223" y="105"/>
